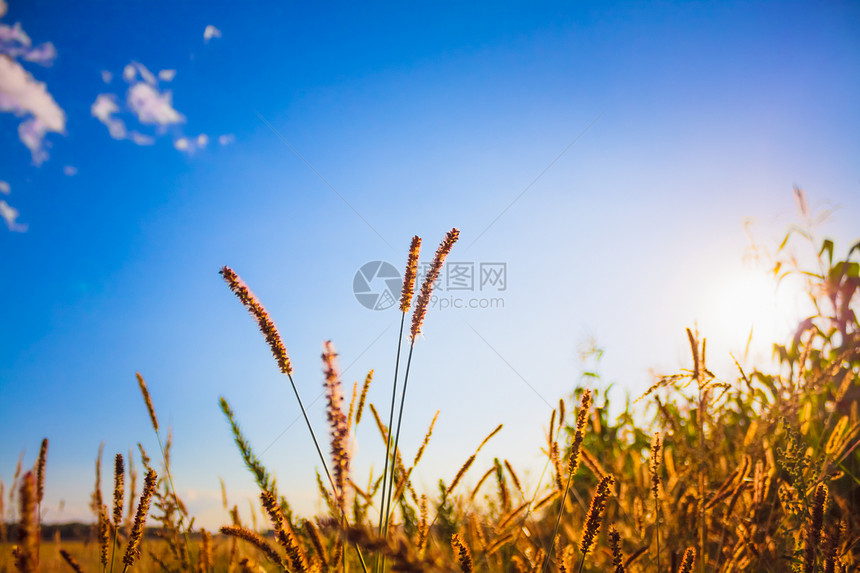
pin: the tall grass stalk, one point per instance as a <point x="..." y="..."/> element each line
<point x="417" y="321"/>
<point x="154" y="419"/>
<point x="405" y="303"/>
<point x="573" y="462"/>
<point x="273" y="338"/>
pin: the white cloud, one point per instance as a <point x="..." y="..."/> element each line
<point x="103" y="109"/>
<point x="21" y="94"/>
<point x="147" y="105"/>
<point x="106" y="76"/>
<point x="70" y="170"/>
<point x="10" y="215"/>
<point x="226" y="139"/>
<point x="152" y="107"/>
<point x="211" y="32"/>
<point x="4" y="186"/>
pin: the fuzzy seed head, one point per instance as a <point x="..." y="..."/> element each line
<point x="118" y="490"/>
<point x="338" y="426"/>
<point x="409" y="277"/>
<point x="40" y="471"/>
<point x="132" y="552"/>
<point x="595" y="513"/>
<point x="431" y="278"/>
<point x="264" y="322"/>
<point x="148" y="399"/>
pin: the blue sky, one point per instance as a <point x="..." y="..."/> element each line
<point x="607" y="153"/>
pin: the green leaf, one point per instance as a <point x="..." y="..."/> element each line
<point x="827" y="245"/>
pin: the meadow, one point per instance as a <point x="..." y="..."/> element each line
<point x="760" y="472"/>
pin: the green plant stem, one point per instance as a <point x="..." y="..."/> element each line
<point x="657" y="528"/>
<point x="113" y="547"/>
<point x="397" y="435"/>
<point x="383" y="512"/>
<point x="384" y="500"/>
<point x="557" y="523"/>
<point x="175" y="497"/>
<point x="325" y="465"/>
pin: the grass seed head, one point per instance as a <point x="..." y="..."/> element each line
<point x="148" y="399"/>
<point x="132" y="552"/>
<point x="40" y="471"/>
<point x="264" y="322"/>
<point x="595" y="513"/>
<point x="338" y="426"/>
<point x="118" y="490"/>
<point x="409" y="277"/>
<point x="429" y="280"/>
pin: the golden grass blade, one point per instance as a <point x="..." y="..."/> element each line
<point x="254" y="539"/>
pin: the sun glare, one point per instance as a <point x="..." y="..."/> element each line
<point x="751" y="312"/>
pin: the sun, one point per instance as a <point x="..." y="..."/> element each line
<point x="751" y="312"/>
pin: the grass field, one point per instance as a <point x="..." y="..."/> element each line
<point x="756" y="473"/>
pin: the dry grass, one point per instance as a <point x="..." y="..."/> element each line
<point x="758" y="472"/>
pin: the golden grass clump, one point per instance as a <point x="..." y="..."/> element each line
<point x="753" y="475"/>
<point x="814" y="525"/>
<point x="284" y="534"/>
<point x="264" y="322"/>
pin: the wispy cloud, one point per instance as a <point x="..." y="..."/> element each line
<point x="149" y="107"/>
<point x="23" y="95"/>
<point x="4" y="187"/>
<point x="144" y="103"/>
